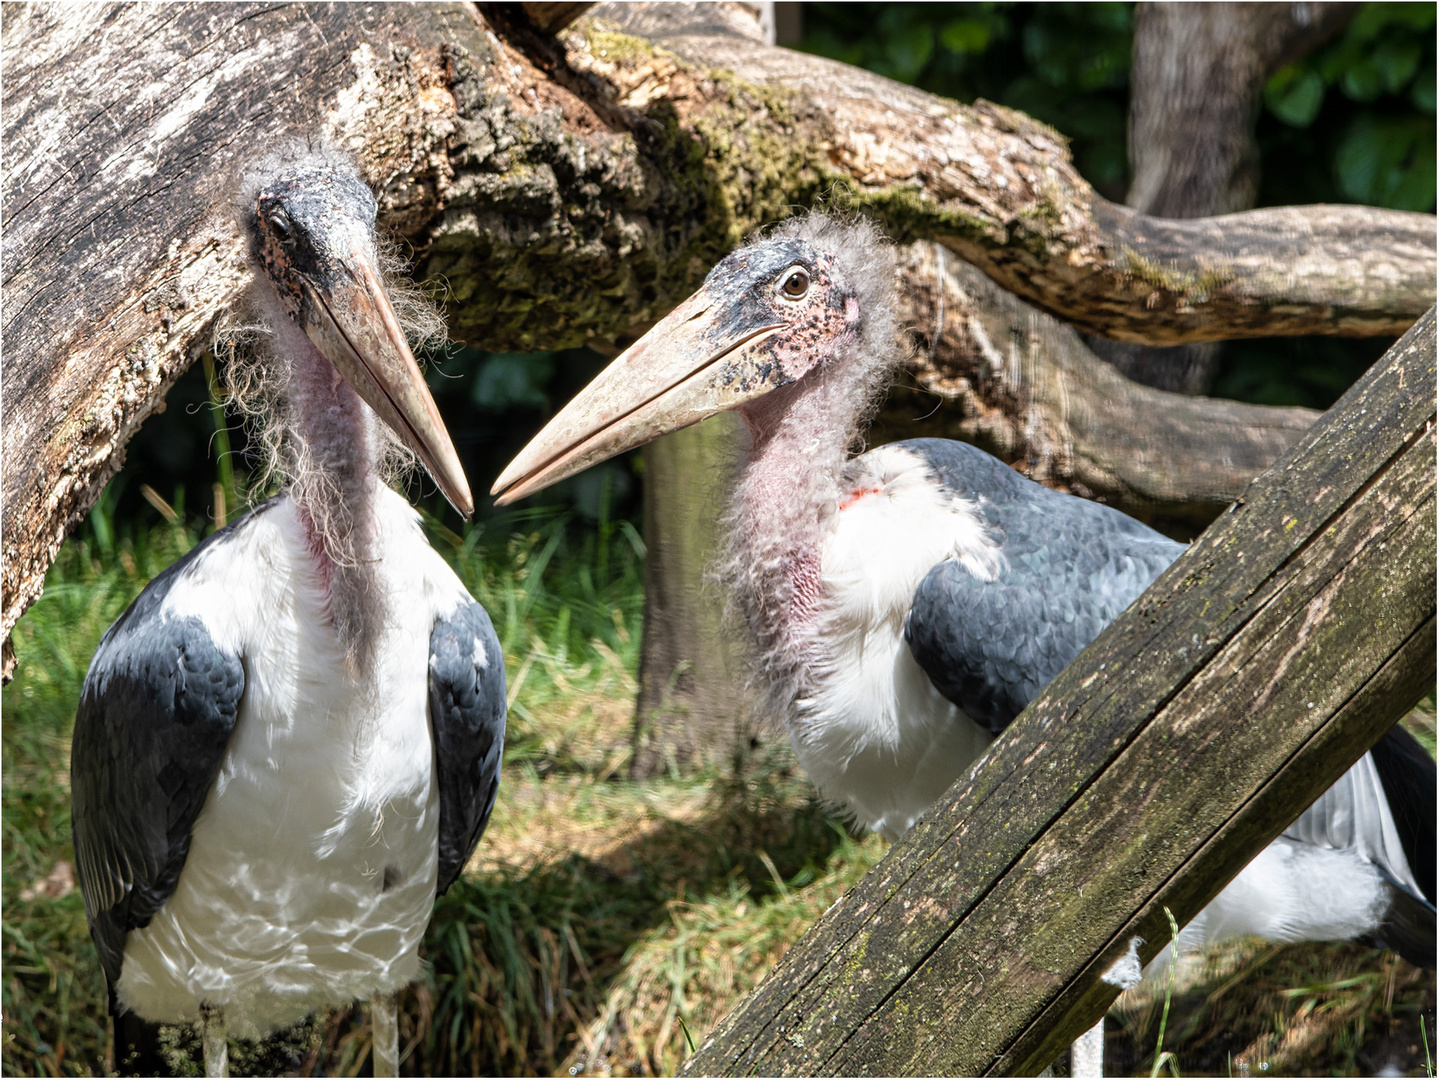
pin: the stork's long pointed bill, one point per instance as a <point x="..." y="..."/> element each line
<point x="353" y="323"/>
<point x="708" y="355"/>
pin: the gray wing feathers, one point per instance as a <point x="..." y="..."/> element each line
<point x="156" y="712"/>
<point x="467" y="719"/>
<point x="1354" y="814"/>
<point x="1069" y="567"/>
<point x="155" y="716"/>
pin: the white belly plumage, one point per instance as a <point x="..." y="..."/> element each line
<point x="875" y="736"/>
<point x="883" y="744"/>
<point x="312" y="867"/>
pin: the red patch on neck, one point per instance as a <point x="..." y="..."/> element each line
<point x="857" y="494"/>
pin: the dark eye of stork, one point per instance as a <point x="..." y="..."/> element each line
<point x="795" y="283"/>
<point x="282" y="227"/>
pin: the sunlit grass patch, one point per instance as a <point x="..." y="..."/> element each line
<point x="683" y="976"/>
<point x="603" y="923"/>
<point x="53" y="993"/>
<point x="1249" y="1008"/>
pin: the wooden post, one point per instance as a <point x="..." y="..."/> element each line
<point x="1248" y="678"/>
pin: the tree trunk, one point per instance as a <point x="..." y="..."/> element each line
<point x="692" y="705"/>
<point x="1194" y="92"/>
<point x="1195" y="86"/>
<point x="566" y="190"/>
<point x="1253" y="672"/>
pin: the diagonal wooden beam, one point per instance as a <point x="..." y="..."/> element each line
<point x="1248" y="678"/>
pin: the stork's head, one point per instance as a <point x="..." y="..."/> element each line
<point x="313" y="234"/>
<point x="815" y="292"/>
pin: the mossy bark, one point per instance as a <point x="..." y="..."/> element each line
<point x="562" y="190"/>
<point x="989" y="369"/>
<point x="1239" y="687"/>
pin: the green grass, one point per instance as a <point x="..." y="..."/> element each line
<point x="579" y="867"/>
<point x="605" y="925"/>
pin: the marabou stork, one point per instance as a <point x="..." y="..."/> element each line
<point x="907" y="603"/>
<point x="290" y="743"/>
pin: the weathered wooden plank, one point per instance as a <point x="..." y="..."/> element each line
<point x="1191" y="732"/>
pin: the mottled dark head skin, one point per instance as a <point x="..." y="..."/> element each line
<point x="788" y="282"/>
<point x="307" y="222"/>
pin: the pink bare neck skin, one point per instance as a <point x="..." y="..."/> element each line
<point x="784" y="509"/>
<point x="801" y="435"/>
<point x="336" y="452"/>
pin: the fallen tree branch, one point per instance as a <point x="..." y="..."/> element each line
<point x="1253" y="672"/>
<point x="1000" y="190"/>
<point x="1025" y="387"/>
<point x="562" y="189"/>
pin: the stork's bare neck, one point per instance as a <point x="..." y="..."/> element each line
<point x="786" y="499"/>
<point x="797" y="331"/>
<point x="339" y="353"/>
<point x="337" y="450"/>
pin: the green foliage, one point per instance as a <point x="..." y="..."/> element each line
<point x="1066" y="64"/>
<point x="53" y="995"/>
<point x="1308" y="371"/>
<point x="1354" y="120"/>
<point x="506" y="379"/>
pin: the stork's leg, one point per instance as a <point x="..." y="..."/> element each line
<point x="1086" y="1054"/>
<point x="385" y="1021"/>
<point x="217" y="1050"/>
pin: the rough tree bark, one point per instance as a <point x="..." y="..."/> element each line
<point x="1195" y="85"/>
<point x="1183" y="740"/>
<point x="991" y="370"/>
<point x="566" y="190"/>
<point x="1194" y="93"/>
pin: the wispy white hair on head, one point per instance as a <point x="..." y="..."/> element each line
<point x="259" y="375"/>
<point x="816" y="421"/>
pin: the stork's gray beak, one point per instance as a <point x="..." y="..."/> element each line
<point x="353" y="323"/>
<point x="702" y="358"/>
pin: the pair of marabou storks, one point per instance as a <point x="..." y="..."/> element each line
<point x="290" y="744"/>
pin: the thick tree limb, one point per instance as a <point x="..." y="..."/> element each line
<point x="1187" y="736"/>
<point x="999" y="189"/>
<point x="1195" y="84"/>
<point x="1026" y="388"/>
<point x="564" y="189"/>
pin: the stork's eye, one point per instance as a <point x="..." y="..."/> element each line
<point x="795" y="283"/>
<point x="281" y="226"/>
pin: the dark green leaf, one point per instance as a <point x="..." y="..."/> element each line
<point x="1294" y="94"/>
<point x="1397" y="62"/>
<point x="965" y="36"/>
<point x="506" y="380"/>
<point x="1423" y="92"/>
<point x="1364" y="81"/>
<point x="909" y="52"/>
